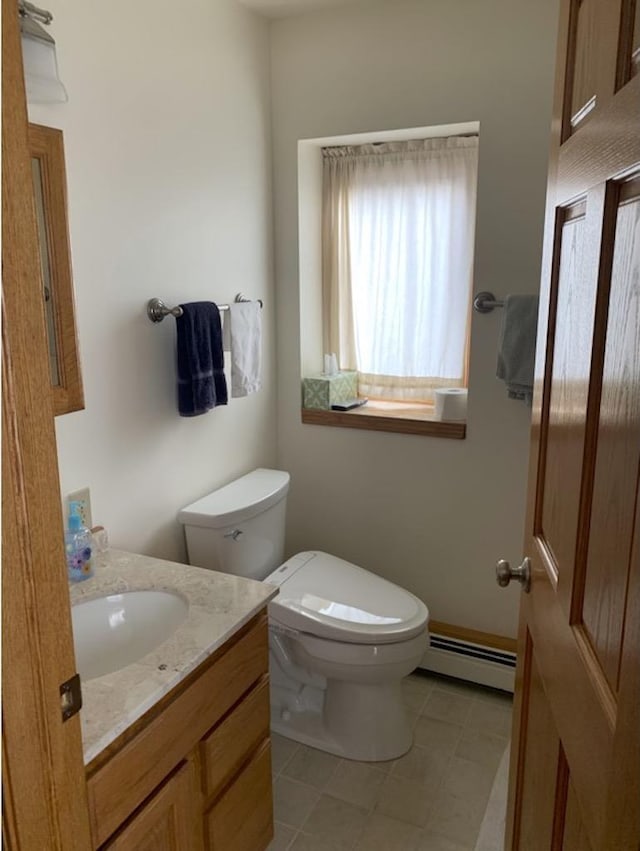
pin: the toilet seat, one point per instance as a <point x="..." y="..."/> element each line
<point x="361" y="655"/>
<point x="330" y="598"/>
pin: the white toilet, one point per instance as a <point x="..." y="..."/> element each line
<point x="341" y="639"/>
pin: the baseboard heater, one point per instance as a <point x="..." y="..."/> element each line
<point x="469" y="661"/>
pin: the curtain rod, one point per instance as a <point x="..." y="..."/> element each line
<point x="395" y="141"/>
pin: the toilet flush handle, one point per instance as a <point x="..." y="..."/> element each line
<point x="234" y="533"/>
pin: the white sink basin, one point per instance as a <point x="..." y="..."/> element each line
<point x="112" y="632"/>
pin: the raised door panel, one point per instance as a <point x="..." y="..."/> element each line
<point x="539" y="763"/>
<point x="629" y="42"/>
<point x="624" y="793"/>
<point x="618" y="446"/>
<point x="550" y="813"/>
<point x="592" y="62"/>
<point x="574" y="835"/>
<point x="580" y="97"/>
<point x="169" y="821"/>
<point x="573" y="303"/>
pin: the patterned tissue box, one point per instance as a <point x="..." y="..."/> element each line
<point x="323" y="391"/>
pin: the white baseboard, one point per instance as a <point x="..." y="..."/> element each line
<point x="454" y="663"/>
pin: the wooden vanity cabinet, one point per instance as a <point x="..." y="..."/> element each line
<point x="194" y="774"/>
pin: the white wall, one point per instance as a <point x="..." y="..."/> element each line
<point x="431" y="514"/>
<point x="167" y="136"/>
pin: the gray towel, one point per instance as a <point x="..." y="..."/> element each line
<point x="517" y="349"/>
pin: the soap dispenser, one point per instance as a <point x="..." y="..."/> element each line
<point x="78" y="542"/>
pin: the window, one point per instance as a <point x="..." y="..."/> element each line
<point x="397" y="243"/>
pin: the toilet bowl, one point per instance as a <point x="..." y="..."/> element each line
<point x="358" y="635"/>
<point x="341" y="638"/>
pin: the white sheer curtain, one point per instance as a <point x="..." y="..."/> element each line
<point x="398" y="232"/>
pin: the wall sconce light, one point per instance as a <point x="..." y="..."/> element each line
<point x="41" y="77"/>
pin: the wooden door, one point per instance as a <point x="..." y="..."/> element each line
<point x="44" y="790"/>
<point x="575" y="769"/>
<point x="169" y="821"/>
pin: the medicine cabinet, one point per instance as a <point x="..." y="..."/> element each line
<point x="50" y="192"/>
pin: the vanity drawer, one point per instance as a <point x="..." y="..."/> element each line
<point x="134" y="771"/>
<point x="223" y="751"/>
<point x="242" y="819"/>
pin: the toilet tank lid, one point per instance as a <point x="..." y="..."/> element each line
<point x="239" y="500"/>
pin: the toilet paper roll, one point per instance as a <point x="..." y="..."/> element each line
<point x="451" y="404"/>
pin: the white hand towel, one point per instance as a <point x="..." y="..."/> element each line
<point x="243" y="337"/>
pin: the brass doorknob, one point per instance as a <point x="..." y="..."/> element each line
<point x="505" y="573"/>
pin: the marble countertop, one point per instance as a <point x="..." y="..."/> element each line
<point x="219" y="605"/>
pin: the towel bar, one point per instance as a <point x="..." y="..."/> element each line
<point x="484" y="302"/>
<point x="157" y="309"/>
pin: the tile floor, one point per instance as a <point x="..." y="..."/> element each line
<point x="432" y="799"/>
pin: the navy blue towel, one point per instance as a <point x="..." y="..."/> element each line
<point x="201" y="381"/>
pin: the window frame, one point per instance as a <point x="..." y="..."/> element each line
<point x="407" y="418"/>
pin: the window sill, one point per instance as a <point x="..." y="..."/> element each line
<point x="401" y="418"/>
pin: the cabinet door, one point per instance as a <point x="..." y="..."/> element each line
<point x="169" y="821"/>
<point x="242" y="819"/>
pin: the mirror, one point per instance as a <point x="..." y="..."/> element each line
<point x="50" y="192"/>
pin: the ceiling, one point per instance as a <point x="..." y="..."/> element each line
<point x="284" y="8"/>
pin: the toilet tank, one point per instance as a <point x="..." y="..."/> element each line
<point x="239" y="528"/>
